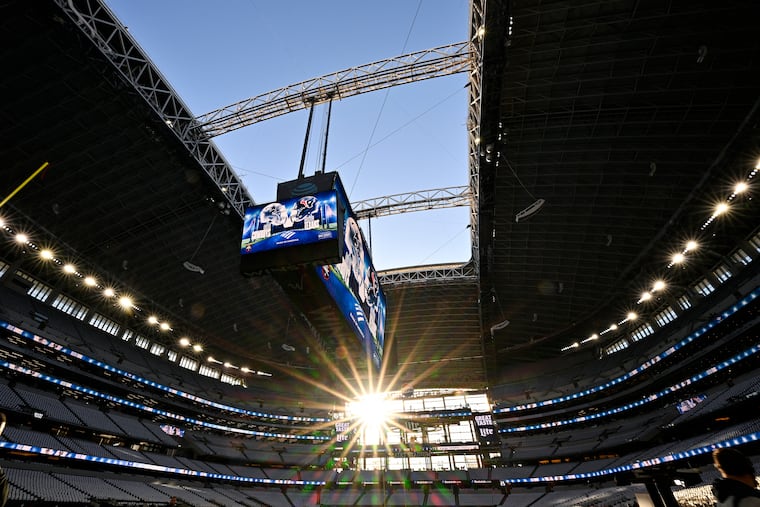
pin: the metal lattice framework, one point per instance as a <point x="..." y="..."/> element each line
<point x="413" y="201"/>
<point x="106" y="32"/>
<point x="477" y="24"/>
<point x="98" y="23"/>
<point x="430" y="63"/>
<point x="445" y="273"/>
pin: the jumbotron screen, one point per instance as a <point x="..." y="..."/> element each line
<point x="312" y="225"/>
<point x="291" y="232"/>
<point x="353" y="284"/>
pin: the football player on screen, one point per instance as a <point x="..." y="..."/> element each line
<point x="353" y="267"/>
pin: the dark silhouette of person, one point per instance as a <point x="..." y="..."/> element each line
<point x="737" y="486"/>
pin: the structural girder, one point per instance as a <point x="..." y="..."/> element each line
<point x="477" y="25"/>
<point x="98" y="23"/>
<point x="443" y="273"/>
<point x="430" y="63"/>
<point x="110" y="36"/>
<point x="413" y="201"/>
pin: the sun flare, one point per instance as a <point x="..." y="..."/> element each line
<point x="372" y="413"/>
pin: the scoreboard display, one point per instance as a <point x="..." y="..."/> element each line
<point x="290" y="232"/>
<point x="312" y="234"/>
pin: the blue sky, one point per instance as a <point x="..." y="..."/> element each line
<point x="217" y="53"/>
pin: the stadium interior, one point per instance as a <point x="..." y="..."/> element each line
<point x="599" y="344"/>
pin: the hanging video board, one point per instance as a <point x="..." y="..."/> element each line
<point x="354" y="286"/>
<point x="312" y="225"/>
<point x="353" y="283"/>
<point x="290" y="232"/>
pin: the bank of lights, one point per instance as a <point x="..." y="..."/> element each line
<point x="226" y="364"/>
<point x="124" y="301"/>
<point x="612" y="327"/>
<point x="720" y="209"/>
<point x="185" y="342"/>
<point x="229" y="366"/>
<point x="48" y="255"/>
<point x="680" y="257"/>
<point x="657" y="286"/>
<point x="724" y="207"/>
<point x="163" y="326"/>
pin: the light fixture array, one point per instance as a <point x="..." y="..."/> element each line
<point x="122" y="298"/>
<point x="720" y="209"/>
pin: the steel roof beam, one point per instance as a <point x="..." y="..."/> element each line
<point x="413" y="201"/>
<point x="98" y="23"/>
<point x="108" y="34"/>
<point x="445" y="273"/>
<point x="430" y="63"/>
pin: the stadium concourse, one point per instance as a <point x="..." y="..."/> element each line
<point x="599" y="344"/>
